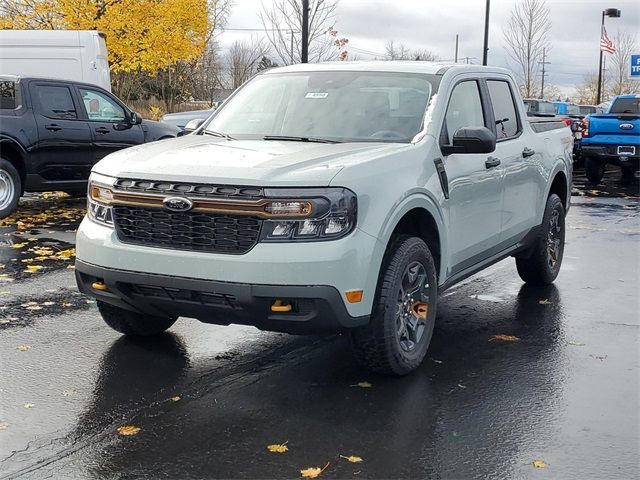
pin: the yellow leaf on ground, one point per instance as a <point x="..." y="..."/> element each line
<point x="29" y="405"/>
<point x="352" y="458"/>
<point x="128" y="430"/>
<point x="363" y="385"/>
<point x="24" y="347"/>
<point x="33" y="268"/>
<point x="313" y="472"/>
<point x="176" y="398"/>
<point x="539" y="464"/>
<point x="504" y="338"/>
<point x="33" y="308"/>
<point x="69" y="392"/>
<point x="278" y="447"/>
<point x="18" y="245"/>
<point x="544" y="302"/>
<point x="4" y="425"/>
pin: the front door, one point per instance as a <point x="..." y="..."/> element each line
<point x="475" y="184"/>
<point x="109" y="123"/>
<point x="63" y="152"/>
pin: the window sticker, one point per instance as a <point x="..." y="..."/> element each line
<point x="317" y="95"/>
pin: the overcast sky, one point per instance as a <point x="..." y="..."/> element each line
<point x="433" y="24"/>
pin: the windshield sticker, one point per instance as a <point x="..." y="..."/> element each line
<point x="317" y="95"/>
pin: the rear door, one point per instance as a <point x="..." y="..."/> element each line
<point x="109" y="122"/>
<point x="63" y="151"/>
<point x="475" y="183"/>
<point x="520" y="162"/>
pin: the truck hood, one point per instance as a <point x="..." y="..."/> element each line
<point x="207" y="159"/>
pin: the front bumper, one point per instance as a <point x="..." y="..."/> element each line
<point x="315" y="308"/>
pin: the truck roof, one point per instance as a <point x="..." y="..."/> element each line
<point x="405" y="66"/>
<point x="628" y="96"/>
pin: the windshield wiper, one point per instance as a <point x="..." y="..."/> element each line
<point x="288" y="138"/>
<point x="218" y="134"/>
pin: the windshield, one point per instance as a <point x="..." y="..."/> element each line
<point x="587" y="109"/>
<point x="573" y="110"/>
<point x="331" y="105"/>
<point x="626" y="105"/>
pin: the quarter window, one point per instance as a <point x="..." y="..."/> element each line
<point x="464" y="109"/>
<point x="56" y="102"/>
<point x="504" y="109"/>
<point x="9" y="95"/>
<point x="101" y="108"/>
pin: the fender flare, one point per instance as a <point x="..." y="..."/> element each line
<point x="559" y="166"/>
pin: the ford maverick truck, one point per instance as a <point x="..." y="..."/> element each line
<point x="330" y="197"/>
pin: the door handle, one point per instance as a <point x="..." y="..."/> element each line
<point x="53" y="127"/>
<point x="527" y="152"/>
<point x="102" y="130"/>
<point x="492" y="162"/>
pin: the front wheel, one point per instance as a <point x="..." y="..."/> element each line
<point x="133" y="324"/>
<point x="10" y="188"/>
<point x="594" y="169"/>
<point x="542" y="266"/>
<point x="396" y="340"/>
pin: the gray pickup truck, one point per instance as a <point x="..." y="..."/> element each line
<point x="330" y="197"/>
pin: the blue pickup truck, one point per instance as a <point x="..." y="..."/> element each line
<point x="613" y="138"/>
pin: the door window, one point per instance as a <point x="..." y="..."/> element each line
<point x="504" y="109"/>
<point x="56" y="101"/>
<point x="464" y="109"/>
<point x="100" y="107"/>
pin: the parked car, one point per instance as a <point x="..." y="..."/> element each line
<point x="589" y="109"/>
<point x="539" y="108"/>
<point x="613" y="138"/>
<point x="181" y="119"/>
<point x="77" y="55"/>
<point x="384" y="184"/>
<point x="53" y="131"/>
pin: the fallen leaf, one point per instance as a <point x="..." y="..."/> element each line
<point x="437" y="361"/>
<point x="544" y="302"/>
<point x="576" y="344"/>
<point x="69" y="392"/>
<point x="4" y="425"/>
<point x="539" y="464"/>
<point x="462" y="386"/>
<point x="278" y="447"/>
<point x="363" y="385"/>
<point x="352" y="458"/>
<point x="313" y="472"/>
<point x="66" y="305"/>
<point x="33" y="268"/>
<point x="33" y="308"/>
<point x="18" y="245"/>
<point x="128" y="430"/>
<point x="176" y="398"/>
<point x="48" y="304"/>
<point x="24" y="347"/>
<point x="29" y="405"/>
<point x="504" y="338"/>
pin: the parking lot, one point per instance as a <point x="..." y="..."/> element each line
<point x="516" y="377"/>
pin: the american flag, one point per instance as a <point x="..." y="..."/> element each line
<point x="606" y="45"/>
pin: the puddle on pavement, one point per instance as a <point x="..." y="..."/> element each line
<point x="19" y="312"/>
<point x="611" y="185"/>
<point x="39" y="237"/>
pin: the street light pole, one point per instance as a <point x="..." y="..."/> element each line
<point x="613" y="13"/>
<point x="485" y="51"/>
<point x="304" y="57"/>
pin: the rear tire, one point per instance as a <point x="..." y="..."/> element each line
<point x="628" y="174"/>
<point x="10" y="188"/>
<point x="542" y="266"/>
<point x="397" y="338"/>
<point x="594" y="170"/>
<point x="133" y="324"/>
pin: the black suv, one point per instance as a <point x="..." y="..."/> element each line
<point x="53" y="131"/>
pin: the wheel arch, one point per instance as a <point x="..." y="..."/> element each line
<point x="11" y="151"/>
<point x="560" y="186"/>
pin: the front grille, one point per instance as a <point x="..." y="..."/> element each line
<point x="152" y="292"/>
<point x="189" y="189"/>
<point x="205" y="232"/>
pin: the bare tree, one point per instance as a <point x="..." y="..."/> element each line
<point x="422" y="54"/>
<point x="587" y="92"/>
<point x="626" y="44"/>
<point x="282" y="22"/>
<point x="242" y="61"/>
<point x="402" y="52"/>
<point x="527" y="34"/>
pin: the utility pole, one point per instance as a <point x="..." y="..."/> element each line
<point x="456" y="55"/>
<point x="544" y="71"/>
<point x="485" y="51"/>
<point x="304" y="58"/>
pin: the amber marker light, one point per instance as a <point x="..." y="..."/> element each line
<point x="354" y="296"/>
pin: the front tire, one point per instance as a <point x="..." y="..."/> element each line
<point x="542" y="266"/>
<point x="397" y="338"/>
<point x="10" y="188"/>
<point x="133" y="324"/>
<point x="594" y="169"/>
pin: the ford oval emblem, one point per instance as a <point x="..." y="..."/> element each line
<point x="177" y="204"/>
<point x="626" y="126"/>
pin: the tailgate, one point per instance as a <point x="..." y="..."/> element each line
<point x="614" y="129"/>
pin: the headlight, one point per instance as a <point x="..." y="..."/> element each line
<point x="99" y="197"/>
<point x="316" y="214"/>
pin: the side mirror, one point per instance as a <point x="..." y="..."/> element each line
<point x="136" y="119"/>
<point x="471" y="140"/>
<point x="193" y="124"/>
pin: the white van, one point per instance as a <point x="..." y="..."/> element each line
<point x="79" y="55"/>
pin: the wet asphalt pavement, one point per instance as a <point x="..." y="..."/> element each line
<point x="208" y="400"/>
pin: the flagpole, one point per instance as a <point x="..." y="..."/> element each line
<point x="599" y="96"/>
